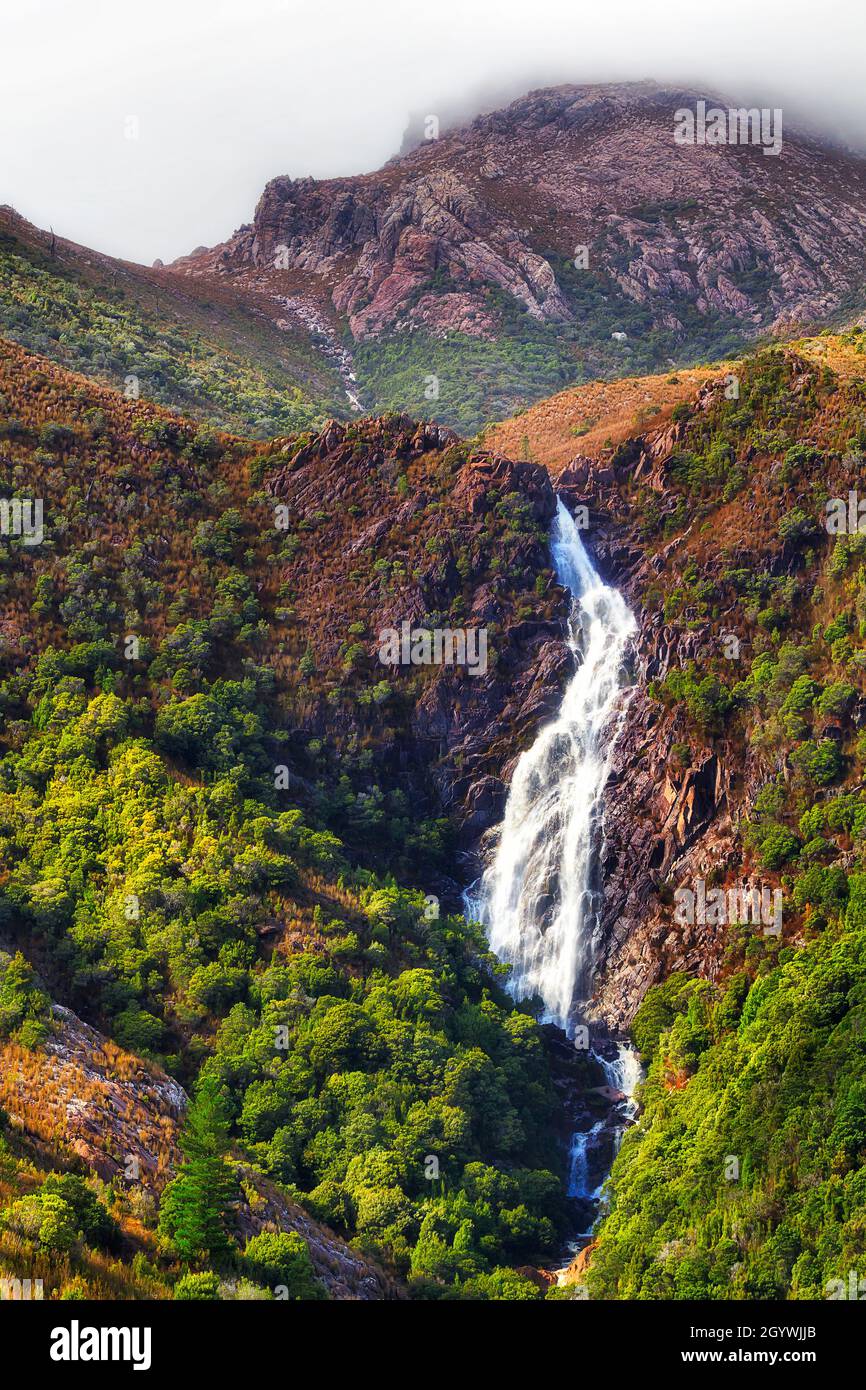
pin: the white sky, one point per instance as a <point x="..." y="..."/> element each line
<point x="228" y="95"/>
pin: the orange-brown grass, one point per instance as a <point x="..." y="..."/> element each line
<point x="592" y="418"/>
<point x="589" y="419"/>
<point x="831" y="350"/>
<point x="96" y="1274"/>
<point x="99" y="1106"/>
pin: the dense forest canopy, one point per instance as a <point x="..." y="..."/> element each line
<point x="244" y="906"/>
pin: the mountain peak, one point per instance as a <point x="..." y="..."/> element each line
<point x="573" y="210"/>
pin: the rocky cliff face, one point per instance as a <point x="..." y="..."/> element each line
<point x="663" y="823"/>
<point x="98" y="1104"/>
<point x="506" y="201"/>
<point x="462" y="547"/>
<point x="680" y="791"/>
<point x="667" y="820"/>
<point x="661" y="819"/>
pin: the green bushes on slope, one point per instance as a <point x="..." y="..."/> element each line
<point x="745" y="1177"/>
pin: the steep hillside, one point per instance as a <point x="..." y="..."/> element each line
<point x="222" y="819"/>
<point x="427" y="531"/>
<point x="740" y="772"/>
<point x="80" y="1105"/>
<point x="745" y="1177"/>
<point x="565" y="237"/>
<point x="154" y="335"/>
<point x="593" y="420"/>
<point x="192" y="869"/>
<point x="711" y="520"/>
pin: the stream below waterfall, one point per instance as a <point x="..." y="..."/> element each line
<point x="539" y="898"/>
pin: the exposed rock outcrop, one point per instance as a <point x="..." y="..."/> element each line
<point x="575" y="1272"/>
<point x="719" y="230"/>
<point x="86" y="1099"/>
<point x="97" y="1103"/>
<point x="454" y="749"/>
<point x="346" y="1274"/>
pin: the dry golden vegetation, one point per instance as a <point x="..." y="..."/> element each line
<point x="596" y="417"/>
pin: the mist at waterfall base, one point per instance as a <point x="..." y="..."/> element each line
<point x="539" y="898"/>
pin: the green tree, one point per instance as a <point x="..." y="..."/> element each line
<point x="281" y="1260"/>
<point x="195" y="1206"/>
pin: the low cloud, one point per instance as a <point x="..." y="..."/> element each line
<point x="227" y="95"/>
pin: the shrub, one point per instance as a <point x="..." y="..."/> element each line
<point x="796" y="525"/>
<point x="282" y="1261"/>
<point x="25" y="1008"/>
<point x="778" y="846"/>
<point x="836" y="699"/>
<point x="820" y="763"/>
<point x="92" y="1219"/>
<point x="199" y="1287"/>
<point x="44" y="1218"/>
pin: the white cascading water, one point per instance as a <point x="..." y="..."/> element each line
<point x="622" y="1073"/>
<point x="538" y="899"/>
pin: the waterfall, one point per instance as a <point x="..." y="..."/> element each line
<point x="622" y="1073"/>
<point x="583" y="1141"/>
<point x="538" y="899"/>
